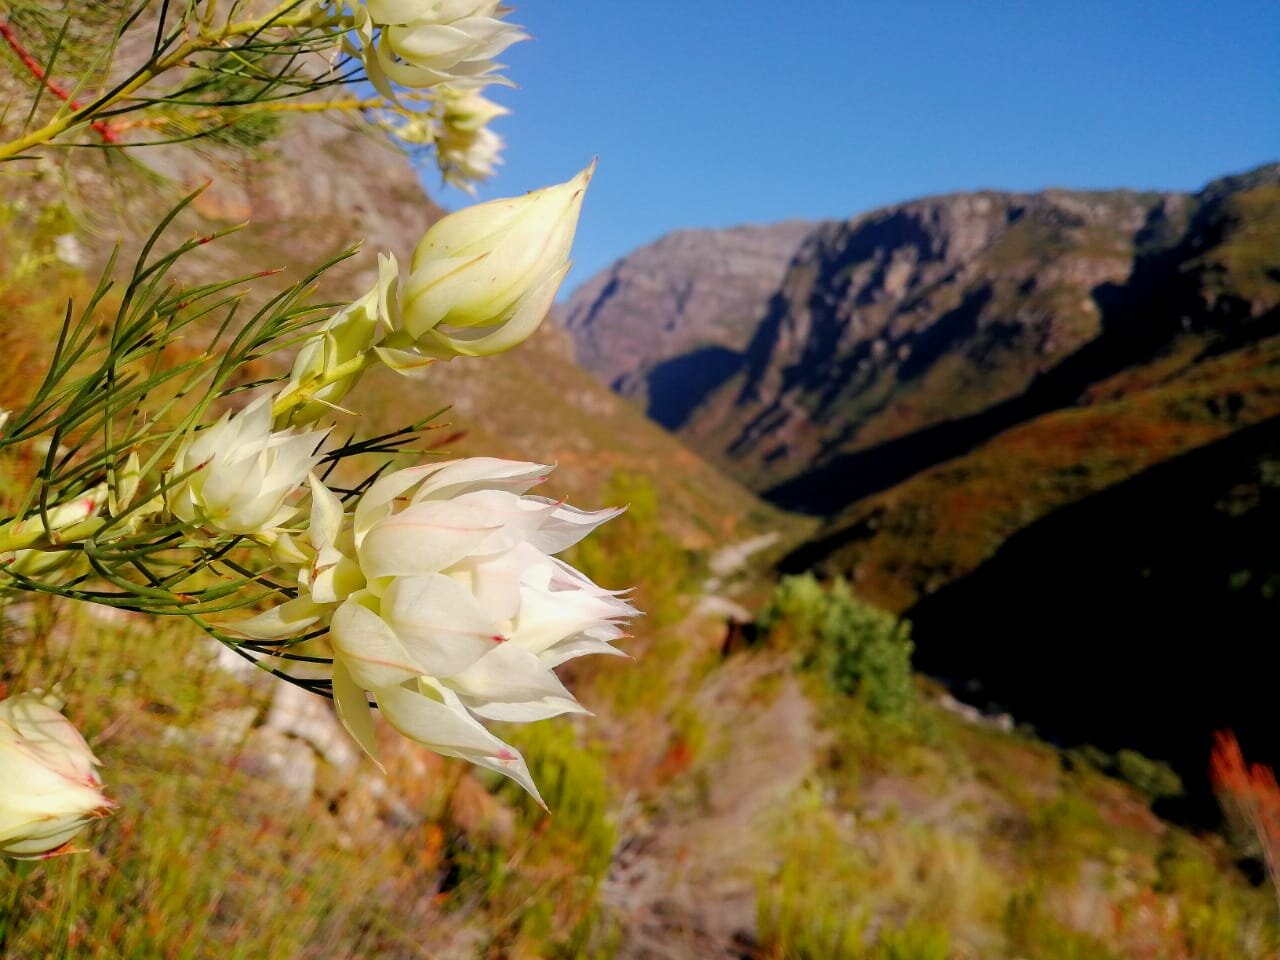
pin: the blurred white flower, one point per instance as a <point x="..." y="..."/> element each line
<point x="240" y="474"/>
<point x="68" y="249"/>
<point x="423" y="43"/>
<point x="443" y="601"/>
<point x="483" y="279"/>
<point x="466" y="149"/>
<point x="49" y="789"/>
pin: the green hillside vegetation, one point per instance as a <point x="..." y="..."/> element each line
<point x="908" y="830"/>
<point x="944" y="522"/>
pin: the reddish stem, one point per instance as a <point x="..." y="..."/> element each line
<point x="6" y="30"/>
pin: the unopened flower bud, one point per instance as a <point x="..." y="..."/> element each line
<point x="331" y="362"/>
<point x="49" y="789"/>
<point x="484" y="278"/>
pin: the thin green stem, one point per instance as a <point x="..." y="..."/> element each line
<point x="279" y="18"/>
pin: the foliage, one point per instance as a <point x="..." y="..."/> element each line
<point x="636" y="549"/>
<point x="1032" y="931"/>
<point x="915" y="941"/>
<point x="1250" y="797"/>
<point x="551" y="904"/>
<point x="202" y="860"/>
<point x="857" y="649"/>
<point x="1154" y="778"/>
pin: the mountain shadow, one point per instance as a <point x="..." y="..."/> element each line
<point x="677" y="386"/>
<point x="1146" y="616"/>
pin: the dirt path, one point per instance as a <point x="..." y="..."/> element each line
<point x="685" y="879"/>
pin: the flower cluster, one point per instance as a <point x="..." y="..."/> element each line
<point x="443" y="51"/>
<point x="237" y="476"/>
<point x="443" y="600"/>
<point x="425" y="43"/>
<point x="434" y="590"/>
<point x="49" y="789"/>
<point x="466" y="149"/>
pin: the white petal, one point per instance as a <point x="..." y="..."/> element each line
<point x="290" y="619"/>
<point x="421" y="539"/>
<point x="444" y="726"/>
<point x="530" y="711"/>
<point x="577" y="647"/>
<point x="457" y="477"/>
<point x="353" y="710"/>
<point x="439" y="622"/>
<point x="509" y="674"/>
<point x="567" y="525"/>
<point x="369" y="648"/>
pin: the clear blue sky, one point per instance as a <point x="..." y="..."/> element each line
<point x="711" y="112"/>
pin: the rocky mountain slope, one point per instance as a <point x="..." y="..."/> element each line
<point x="691" y="297"/>
<point x="912" y="335"/>
<point x="1005" y="405"/>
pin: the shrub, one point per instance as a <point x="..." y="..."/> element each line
<point x="636" y="549"/>
<point x="857" y="648"/>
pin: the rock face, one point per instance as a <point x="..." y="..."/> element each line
<point x="910" y="316"/>
<point x="693" y="295"/>
<point x="884" y="327"/>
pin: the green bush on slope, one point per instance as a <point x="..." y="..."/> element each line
<point x="857" y="649"/>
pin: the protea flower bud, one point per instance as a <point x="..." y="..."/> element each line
<point x="49" y="788"/>
<point x="66" y="522"/>
<point x="483" y="278"/>
<point x="330" y="363"/>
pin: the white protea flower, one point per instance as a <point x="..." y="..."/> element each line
<point x="49" y="789"/>
<point x="483" y="278"/>
<point x="424" y="43"/>
<point x="467" y="151"/>
<point x="239" y="474"/>
<point x="443" y="600"/>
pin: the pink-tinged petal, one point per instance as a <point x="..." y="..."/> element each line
<point x="529" y="711"/>
<point x="495" y="581"/>
<point x="548" y="616"/>
<point x="458" y="477"/>
<point x="509" y="674"/>
<point x="437" y="719"/>
<point x="567" y="525"/>
<point x="578" y="647"/>
<point x="421" y="539"/>
<point x="372" y="653"/>
<point x="515" y="518"/>
<point x="439" y="622"/>
<point x="378" y="502"/>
